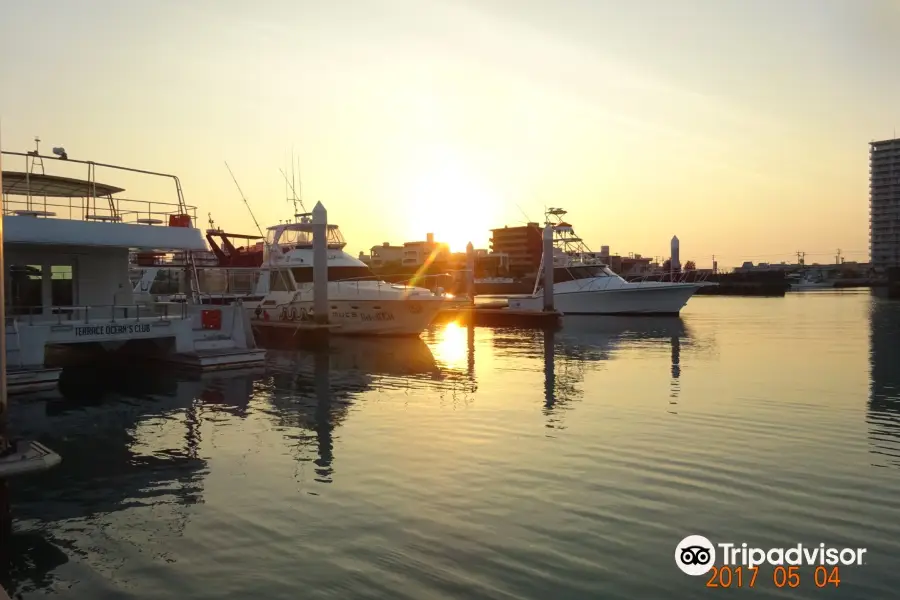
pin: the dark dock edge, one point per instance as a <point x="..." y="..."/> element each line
<point x="501" y="317"/>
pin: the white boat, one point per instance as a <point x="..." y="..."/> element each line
<point x="67" y="242"/>
<point x="584" y="285"/>
<point x="811" y="279"/>
<point x="358" y="302"/>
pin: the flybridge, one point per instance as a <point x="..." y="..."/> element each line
<point x="41" y="207"/>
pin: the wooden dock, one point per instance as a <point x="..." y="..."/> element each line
<point x="501" y="316"/>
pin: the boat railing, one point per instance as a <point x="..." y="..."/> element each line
<point x="108" y="210"/>
<point x="86" y="314"/>
<point x="32" y="191"/>
<point x="225" y="282"/>
<point x="391" y="286"/>
<point x="693" y="276"/>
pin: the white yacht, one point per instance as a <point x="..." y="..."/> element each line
<point x="358" y="302"/>
<point x="584" y="285"/>
<point x="67" y="241"/>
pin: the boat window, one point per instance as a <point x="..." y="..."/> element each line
<point x="62" y="290"/>
<point x="280" y="281"/>
<point x="24" y="295"/>
<point x="561" y="274"/>
<point x="305" y="274"/>
<point x="167" y="281"/>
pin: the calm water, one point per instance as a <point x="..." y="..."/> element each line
<point x="480" y="463"/>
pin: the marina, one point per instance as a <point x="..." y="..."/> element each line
<point x="592" y="429"/>
<point x="449" y="300"/>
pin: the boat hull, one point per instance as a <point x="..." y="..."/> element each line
<point x="401" y="317"/>
<point x="640" y="299"/>
<point x="807" y="287"/>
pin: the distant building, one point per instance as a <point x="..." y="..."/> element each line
<point x="522" y="245"/>
<point x="410" y="254"/>
<point x="416" y="253"/>
<point x="675" y="254"/>
<point x="382" y="255"/>
<point x="884" y="203"/>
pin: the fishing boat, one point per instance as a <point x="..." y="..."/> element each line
<point x="584" y="285"/>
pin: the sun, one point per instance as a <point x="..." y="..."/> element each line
<point x="449" y="200"/>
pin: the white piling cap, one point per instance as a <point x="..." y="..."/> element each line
<point x="319" y="214"/>
<point x="548" y="232"/>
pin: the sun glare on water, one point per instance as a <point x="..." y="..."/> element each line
<point x="452" y="346"/>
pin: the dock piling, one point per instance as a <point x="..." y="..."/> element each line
<point x="320" y="263"/>
<point x="547" y="263"/>
<point x="16" y="458"/>
<point x="470" y="273"/>
<point x="3" y="397"/>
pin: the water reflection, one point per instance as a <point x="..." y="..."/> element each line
<point x="884" y="389"/>
<point x="453" y="347"/>
<point x="674" y="386"/>
<point x="586" y="340"/>
<point x="312" y="391"/>
<point x="130" y="438"/>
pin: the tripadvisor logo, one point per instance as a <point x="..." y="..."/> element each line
<point x="696" y="555"/>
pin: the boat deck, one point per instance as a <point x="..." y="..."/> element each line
<point x="31" y="379"/>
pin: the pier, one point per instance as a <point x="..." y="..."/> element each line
<point x="493" y="316"/>
<point x="499" y="314"/>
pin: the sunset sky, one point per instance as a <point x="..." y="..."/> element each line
<point x="741" y="126"/>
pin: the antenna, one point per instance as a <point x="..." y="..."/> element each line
<point x="244" y="198"/>
<point x="286" y="190"/>
<point x="527" y="219"/>
<point x="295" y="198"/>
<point x="299" y="185"/>
<point x="212" y="224"/>
<point x="255" y="222"/>
<point x="293" y="187"/>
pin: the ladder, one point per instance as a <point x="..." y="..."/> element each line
<point x="190" y="264"/>
<point x="193" y="278"/>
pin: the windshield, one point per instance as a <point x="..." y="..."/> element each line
<point x="561" y="274"/>
<point x="305" y="274"/>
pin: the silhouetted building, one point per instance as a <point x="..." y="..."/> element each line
<point x="523" y="245"/>
<point x="382" y="255"/>
<point x="884" y="203"/>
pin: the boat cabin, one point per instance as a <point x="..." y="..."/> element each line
<point x="67" y="244"/>
<point x="67" y="240"/>
<point x="290" y="279"/>
<point x="299" y="236"/>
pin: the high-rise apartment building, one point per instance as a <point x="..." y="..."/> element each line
<point x="884" y="203"/>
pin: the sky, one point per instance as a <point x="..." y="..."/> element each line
<point x="742" y="127"/>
